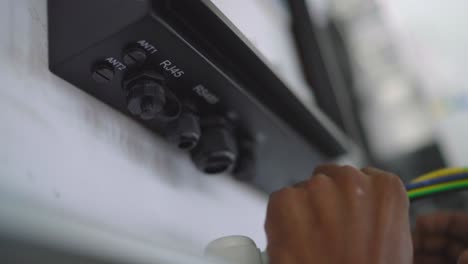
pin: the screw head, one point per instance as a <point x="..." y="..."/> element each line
<point x="146" y="99"/>
<point x="103" y="73"/>
<point x="134" y="57"/>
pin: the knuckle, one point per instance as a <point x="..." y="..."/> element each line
<point x="279" y="205"/>
<point x="394" y="175"/>
<point x="391" y="185"/>
<point x="325" y="166"/>
<point x="351" y="176"/>
<point x="319" y="180"/>
<point x="377" y="172"/>
<point x="282" y="195"/>
<point x="301" y="184"/>
<point x="386" y="177"/>
<point x="397" y="182"/>
<point x="349" y="168"/>
<point x="368" y="169"/>
<point x="389" y="181"/>
<point x="398" y="188"/>
<point x="276" y="203"/>
<point x="350" y="172"/>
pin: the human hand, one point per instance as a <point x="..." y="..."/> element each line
<point x="441" y="238"/>
<point x="340" y="215"/>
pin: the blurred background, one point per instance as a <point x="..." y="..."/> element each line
<point x="390" y="74"/>
<point x="396" y="82"/>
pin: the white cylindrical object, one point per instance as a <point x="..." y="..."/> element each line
<point x="235" y="249"/>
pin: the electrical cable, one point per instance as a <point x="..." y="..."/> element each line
<point x="445" y="179"/>
<point x="438" y="182"/>
<point x="440" y="173"/>
<point x="437" y="186"/>
<point x="437" y="189"/>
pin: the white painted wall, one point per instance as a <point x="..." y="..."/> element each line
<point x="63" y="150"/>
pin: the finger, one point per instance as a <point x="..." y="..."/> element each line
<point x="336" y="171"/>
<point x="433" y="243"/>
<point x="374" y="172"/>
<point x="348" y="177"/>
<point x="452" y="224"/>
<point x="301" y="184"/>
<point x="317" y="179"/>
<point x="371" y="171"/>
<point x="463" y="259"/>
<point x="278" y="255"/>
<point x="352" y="183"/>
<point x="278" y="213"/>
<point x="286" y="215"/>
<point x="438" y="245"/>
<point x="324" y="194"/>
<point x="436" y="223"/>
<point x="331" y="169"/>
<point x="430" y="259"/>
<point x="391" y="180"/>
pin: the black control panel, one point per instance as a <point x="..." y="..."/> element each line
<point x="181" y="69"/>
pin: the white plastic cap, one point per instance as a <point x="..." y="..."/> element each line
<point x="235" y="249"/>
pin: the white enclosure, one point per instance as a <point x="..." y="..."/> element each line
<point x="63" y="150"/>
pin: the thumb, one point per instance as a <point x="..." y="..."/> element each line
<point x="463" y="259"/>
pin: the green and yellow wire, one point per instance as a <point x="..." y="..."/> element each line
<point x="438" y="182"/>
<point x="440" y="173"/>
